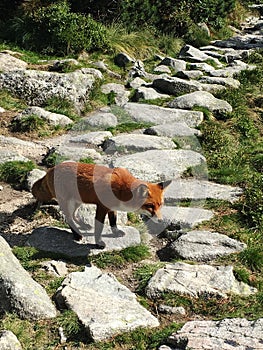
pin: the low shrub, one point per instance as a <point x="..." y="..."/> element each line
<point x="15" y="172"/>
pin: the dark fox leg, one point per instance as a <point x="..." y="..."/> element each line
<point x="99" y="224"/>
<point x="112" y="215"/>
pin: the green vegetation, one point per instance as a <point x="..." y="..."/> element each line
<point x="15" y="172"/>
<point x="27" y="124"/>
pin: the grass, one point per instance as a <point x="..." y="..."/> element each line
<point x="15" y="172"/>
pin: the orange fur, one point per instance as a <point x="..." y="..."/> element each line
<point x="74" y="183"/>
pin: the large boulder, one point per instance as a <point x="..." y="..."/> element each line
<point x="103" y="305"/>
<point x="19" y="292"/>
<point x="175" y="86"/>
<point x="9" y="63"/>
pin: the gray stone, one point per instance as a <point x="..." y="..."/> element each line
<point x="189" y="74"/>
<point x="205" y="67"/>
<point x="10" y="63"/>
<point x="8" y="341"/>
<point x="175" y="310"/>
<point x="57" y="240"/>
<point x="175" y="86"/>
<point x="227" y="334"/>
<point x="2" y="110"/>
<point x="157" y="165"/>
<point x="37" y="87"/>
<point x="60" y="65"/>
<point x="51" y="118"/>
<point x="139" y="143"/>
<point x="147" y="93"/>
<point x="196" y="280"/>
<point x="69" y="152"/>
<point x="194" y="189"/>
<point x="146" y="113"/>
<point x="95" y="72"/>
<point x="201" y="99"/>
<point x="33" y="176"/>
<point x="228" y="82"/>
<point x="136" y="82"/>
<point x="174" y="63"/>
<point x="92" y="138"/>
<point x="162" y="69"/>
<point x="100" y="119"/>
<point x="56" y="268"/>
<point x="103" y="305"/>
<point x="204" y="246"/>
<point x="19" y="292"/>
<point x="172" y="130"/>
<point x="122" y="95"/>
<point x="10" y="156"/>
<point x="191" y="53"/>
<point x="178" y="218"/>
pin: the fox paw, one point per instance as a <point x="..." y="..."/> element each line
<point x="100" y="245"/>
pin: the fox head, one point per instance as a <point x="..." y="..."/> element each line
<point x="152" y="198"/>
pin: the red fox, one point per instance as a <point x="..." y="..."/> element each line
<point x="72" y="184"/>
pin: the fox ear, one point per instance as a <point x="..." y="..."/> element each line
<point x="164" y="184"/>
<point x="142" y="191"/>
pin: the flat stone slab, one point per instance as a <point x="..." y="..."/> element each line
<point x="19" y="293"/>
<point x="57" y="240"/>
<point x="156" y="115"/>
<point x="103" y="305"/>
<point x="141" y="143"/>
<point x="157" y="165"/>
<point x="201" y="99"/>
<point x="228" y="334"/>
<point x="196" y="280"/>
<point x="92" y="138"/>
<point x="204" y="246"/>
<point x="181" y="189"/>
<point x="179" y="218"/>
<point x="228" y="82"/>
<point x="101" y="119"/>
<point x="9" y="156"/>
<point x="172" y="130"/>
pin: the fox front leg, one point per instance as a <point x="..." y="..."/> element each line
<point x="112" y="215"/>
<point x="99" y="225"/>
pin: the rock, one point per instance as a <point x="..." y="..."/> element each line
<point x="175" y="86"/>
<point x="69" y="152"/>
<point x="10" y="156"/>
<point x="162" y="69"/>
<point x="37" y="87"/>
<point x="10" y="63"/>
<point x="56" y="268"/>
<point x="228" y="82"/>
<point x="157" y="165"/>
<point x="180" y="311"/>
<point x="8" y="341"/>
<point x="60" y="65"/>
<point x="126" y="143"/>
<point x="51" y="118"/>
<point x="60" y="241"/>
<point x="122" y="95"/>
<point x="92" y="138"/>
<point x="103" y="305"/>
<point x="201" y="99"/>
<point x="176" y="64"/>
<point x="189" y="74"/>
<point x="122" y="59"/>
<point x="2" y="110"/>
<point x="205" y="67"/>
<point x="191" y="53"/>
<point x="178" y="218"/>
<point x="194" y="189"/>
<point x="196" y="280"/>
<point x="146" y="113"/>
<point x="204" y="246"/>
<point x="33" y="176"/>
<point x="172" y="130"/>
<point x="99" y="120"/>
<point x="147" y="93"/>
<point x="228" y="334"/>
<point x="19" y="292"/>
<point x="136" y="82"/>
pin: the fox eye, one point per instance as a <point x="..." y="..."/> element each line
<point x="149" y="205"/>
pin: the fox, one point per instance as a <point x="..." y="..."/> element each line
<point x="110" y="189"/>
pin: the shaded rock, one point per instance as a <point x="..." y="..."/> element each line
<point x="141" y="143"/>
<point x="205" y="67"/>
<point x="157" y="165"/>
<point x="60" y="241"/>
<point x="103" y="305"/>
<point x="51" y="118"/>
<point x="176" y="64"/>
<point x="122" y="59"/>
<point x="37" y="87"/>
<point x="182" y="189"/>
<point x="10" y="63"/>
<point x="196" y="280"/>
<point x="8" y="341"/>
<point x="19" y="292"/>
<point x="172" y="130"/>
<point x="146" y="113"/>
<point x="189" y="74"/>
<point x="175" y="86"/>
<point x="147" y="93"/>
<point x="137" y="70"/>
<point x="228" y="334"/>
<point x="60" y="65"/>
<point x="178" y="218"/>
<point x="201" y="99"/>
<point x="92" y="138"/>
<point x="204" y="246"/>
